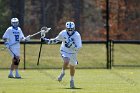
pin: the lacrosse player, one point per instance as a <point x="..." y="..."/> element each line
<point x="12" y="37"/>
<point x="71" y="43"/>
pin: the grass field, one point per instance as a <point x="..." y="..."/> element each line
<point x="116" y="80"/>
<point x="89" y="56"/>
<point x="86" y="81"/>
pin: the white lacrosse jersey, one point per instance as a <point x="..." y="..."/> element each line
<point x="64" y="36"/>
<point x="13" y="36"/>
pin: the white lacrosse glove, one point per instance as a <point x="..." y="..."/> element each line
<point x="53" y="41"/>
<point x="7" y="45"/>
<point x="27" y="38"/>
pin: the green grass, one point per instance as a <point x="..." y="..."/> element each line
<point x="90" y="56"/>
<point x="86" y="81"/>
<point x="126" y="54"/>
<point x="117" y="80"/>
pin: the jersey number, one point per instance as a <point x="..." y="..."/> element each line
<point x="16" y="37"/>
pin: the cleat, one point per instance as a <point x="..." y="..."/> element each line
<point x="61" y="76"/>
<point x="17" y="76"/>
<point x="10" y="76"/>
<point x="72" y="84"/>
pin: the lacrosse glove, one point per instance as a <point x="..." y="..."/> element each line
<point x="7" y="45"/>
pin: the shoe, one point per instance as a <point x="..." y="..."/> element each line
<point x="72" y="84"/>
<point x="10" y="76"/>
<point x="17" y="76"/>
<point x="61" y="76"/>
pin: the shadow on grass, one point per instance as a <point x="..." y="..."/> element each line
<point x="19" y="78"/>
<point x="16" y="78"/>
<point x="73" y="88"/>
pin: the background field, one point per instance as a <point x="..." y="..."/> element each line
<point x="37" y="80"/>
<point x="90" y="56"/>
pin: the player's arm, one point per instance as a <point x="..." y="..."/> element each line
<point x="22" y="38"/>
<point x="6" y="35"/>
<point x="5" y="38"/>
<point x="53" y="40"/>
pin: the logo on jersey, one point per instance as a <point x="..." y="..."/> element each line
<point x="16" y="33"/>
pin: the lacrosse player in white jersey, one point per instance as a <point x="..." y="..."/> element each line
<point x="12" y="37"/>
<point x="71" y="43"/>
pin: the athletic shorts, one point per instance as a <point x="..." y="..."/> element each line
<point x="72" y="56"/>
<point x="14" y="51"/>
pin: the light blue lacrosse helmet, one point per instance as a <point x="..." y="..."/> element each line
<point x="14" y="22"/>
<point x="70" y="26"/>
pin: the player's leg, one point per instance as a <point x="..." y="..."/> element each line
<point x="73" y="62"/>
<point x="64" y="67"/>
<point x="12" y="64"/>
<point x="65" y="64"/>
<point x="16" y="64"/>
<point x="72" y="72"/>
<point x="66" y="60"/>
<point x="11" y="69"/>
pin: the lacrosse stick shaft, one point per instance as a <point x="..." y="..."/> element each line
<point x="35" y="34"/>
<point x="39" y="54"/>
<point x="40" y="32"/>
<point x="12" y="52"/>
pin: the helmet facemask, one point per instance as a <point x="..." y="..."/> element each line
<point x="70" y="27"/>
<point x="70" y="30"/>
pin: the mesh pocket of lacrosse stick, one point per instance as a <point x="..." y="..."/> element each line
<point x="44" y="30"/>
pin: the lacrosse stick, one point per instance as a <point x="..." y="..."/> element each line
<point x="12" y="52"/>
<point x="29" y="36"/>
<point x="44" y="30"/>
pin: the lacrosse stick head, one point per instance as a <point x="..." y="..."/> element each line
<point x="44" y="30"/>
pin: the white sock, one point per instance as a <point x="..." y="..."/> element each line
<point x="63" y="71"/>
<point x="11" y="72"/>
<point x="72" y="77"/>
<point x="16" y="71"/>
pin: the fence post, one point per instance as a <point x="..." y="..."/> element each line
<point x="110" y="48"/>
<point x="24" y="55"/>
<point x="112" y="54"/>
<point x="107" y="34"/>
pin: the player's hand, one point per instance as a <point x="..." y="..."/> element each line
<point x="7" y="45"/>
<point x="42" y="39"/>
<point x="27" y="38"/>
<point x="45" y="40"/>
